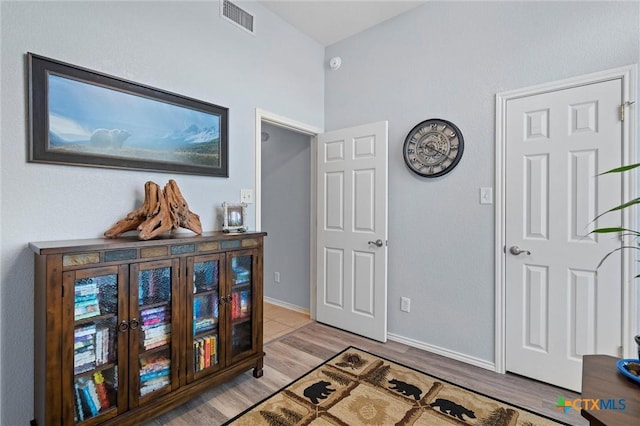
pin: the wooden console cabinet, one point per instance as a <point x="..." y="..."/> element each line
<point x="126" y="330"/>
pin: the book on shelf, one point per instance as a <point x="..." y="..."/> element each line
<point x="86" y="299"/>
<point x="205" y="352"/>
<point x="101" y="389"/>
<point x="88" y="399"/>
<point x="151" y="311"/>
<point x="79" y="411"/>
<point x="157" y="341"/>
<point x="102" y="345"/>
<point x="154" y="373"/>
<point x="91" y="395"/>
<point x="84" y="352"/>
<point x="91" y="347"/>
<point x="153" y="337"/>
<point x="241" y="275"/>
<point x="235" y="306"/>
<point x="162" y="315"/>
<point x="203" y="325"/>
<point x="205" y="306"/>
<point x="245" y="301"/>
<point x="153" y="385"/>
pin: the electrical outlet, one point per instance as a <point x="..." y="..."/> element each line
<point x="405" y="304"/>
<point x="276" y="277"/>
<point x="246" y="196"/>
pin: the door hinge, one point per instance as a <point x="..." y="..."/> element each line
<point x="625" y="104"/>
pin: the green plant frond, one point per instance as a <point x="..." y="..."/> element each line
<point x="613" y="251"/>
<point x="621" y="169"/>
<point x="616" y="230"/>
<point x="620" y="207"/>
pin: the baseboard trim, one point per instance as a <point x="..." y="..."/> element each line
<point x="444" y="352"/>
<point x="286" y="305"/>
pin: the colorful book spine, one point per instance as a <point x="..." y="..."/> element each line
<point x="101" y="389"/>
<point x="154" y="374"/>
<point x="205" y="352"/>
<point x="86" y="299"/>
<point x="79" y="412"/>
<point x="244" y="303"/>
<point x="89" y="400"/>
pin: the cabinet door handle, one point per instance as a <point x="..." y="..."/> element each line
<point x="133" y="324"/>
<point x="123" y="326"/>
<point x="229" y="298"/>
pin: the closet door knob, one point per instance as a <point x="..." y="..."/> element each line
<point x="515" y="250"/>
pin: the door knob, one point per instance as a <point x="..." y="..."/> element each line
<point x="377" y="243"/>
<point x="515" y="250"/>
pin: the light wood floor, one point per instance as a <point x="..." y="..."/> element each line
<point x="291" y="352"/>
<point x="279" y="321"/>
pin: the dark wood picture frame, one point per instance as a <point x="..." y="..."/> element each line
<point x="86" y="118"/>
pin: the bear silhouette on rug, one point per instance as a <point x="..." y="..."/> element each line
<point x="453" y="409"/>
<point x="405" y="388"/>
<point x="319" y="390"/>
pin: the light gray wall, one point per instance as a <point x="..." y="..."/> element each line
<point x="286" y="159"/>
<point x="448" y="60"/>
<point x="182" y="47"/>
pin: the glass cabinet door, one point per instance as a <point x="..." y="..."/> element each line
<point x="95" y="342"/>
<point x="152" y="319"/>
<point x="240" y="304"/>
<point x="204" y="281"/>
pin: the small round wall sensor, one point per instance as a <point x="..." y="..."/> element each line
<point x="335" y="62"/>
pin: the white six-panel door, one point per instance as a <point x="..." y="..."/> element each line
<point x="558" y="307"/>
<point x="352" y="229"/>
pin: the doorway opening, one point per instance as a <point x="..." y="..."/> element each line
<point x="285" y="208"/>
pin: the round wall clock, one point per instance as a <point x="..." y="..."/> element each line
<point x="433" y="148"/>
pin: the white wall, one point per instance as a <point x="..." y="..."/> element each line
<point x="182" y="47"/>
<point x="448" y="60"/>
<point x="286" y="160"/>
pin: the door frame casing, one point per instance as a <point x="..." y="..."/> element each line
<point x="262" y="115"/>
<point x="630" y="293"/>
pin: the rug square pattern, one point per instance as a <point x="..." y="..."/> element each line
<point x="359" y="388"/>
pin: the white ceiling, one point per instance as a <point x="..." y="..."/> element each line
<point x="329" y="21"/>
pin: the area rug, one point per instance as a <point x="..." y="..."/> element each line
<point x="356" y="387"/>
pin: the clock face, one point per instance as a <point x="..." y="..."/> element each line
<point x="433" y="147"/>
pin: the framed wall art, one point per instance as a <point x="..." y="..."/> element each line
<point x="86" y="118"/>
<point x="234" y="217"/>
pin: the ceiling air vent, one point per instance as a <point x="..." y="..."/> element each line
<point x="236" y="15"/>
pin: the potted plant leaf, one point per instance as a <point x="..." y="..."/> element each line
<point x="619" y="229"/>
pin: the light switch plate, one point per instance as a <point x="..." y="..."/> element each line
<point x="486" y="195"/>
<point x="246" y="196"/>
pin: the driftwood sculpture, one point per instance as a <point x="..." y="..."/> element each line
<point x="161" y="211"/>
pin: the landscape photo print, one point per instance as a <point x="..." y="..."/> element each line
<point x="82" y="117"/>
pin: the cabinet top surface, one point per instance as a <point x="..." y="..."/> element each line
<point x="52" y="247"/>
